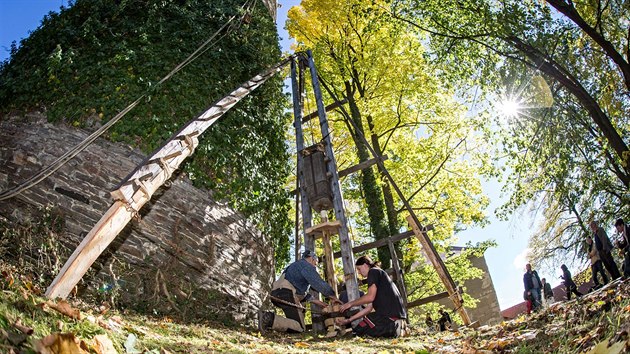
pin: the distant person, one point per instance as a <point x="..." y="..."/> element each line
<point x="569" y="284"/>
<point x="533" y="286"/>
<point x="604" y="247"/>
<point x="596" y="264"/>
<point x="547" y="291"/>
<point x="429" y="322"/>
<point x="527" y="297"/>
<point x="384" y="314"/>
<point x="445" y="321"/>
<point x="290" y="290"/>
<point x="623" y="243"/>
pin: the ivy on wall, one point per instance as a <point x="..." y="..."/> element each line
<point x="86" y="63"/>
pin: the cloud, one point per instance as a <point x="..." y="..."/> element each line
<point x="521" y="259"/>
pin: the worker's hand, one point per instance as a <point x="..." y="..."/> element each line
<point x="529" y="293"/>
<point x="345" y="306"/>
<point x="319" y="303"/>
<point x="341" y="321"/>
<point x="335" y="300"/>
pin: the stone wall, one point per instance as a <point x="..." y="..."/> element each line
<point x="487" y="311"/>
<point x="195" y="253"/>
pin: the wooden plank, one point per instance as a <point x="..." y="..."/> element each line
<point x="361" y="166"/>
<point x="307" y="216"/>
<point x="329" y="108"/>
<point x="428" y="299"/>
<point x="440" y="268"/>
<point x="130" y="197"/>
<point x="383" y="242"/>
<point x="345" y="242"/>
<point x="96" y="241"/>
<point x="329" y="227"/>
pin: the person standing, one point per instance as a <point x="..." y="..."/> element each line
<point x="384" y="314"/>
<point x="624" y="245"/>
<point x="569" y="284"/>
<point x="290" y="290"/>
<point x="604" y="247"/>
<point x="533" y="285"/>
<point x="596" y="263"/>
<point x="547" y="291"/>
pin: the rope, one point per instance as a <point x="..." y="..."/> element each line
<point x="69" y="155"/>
<point x="292" y="304"/>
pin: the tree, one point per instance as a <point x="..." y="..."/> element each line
<point x="88" y="62"/>
<point x="393" y="100"/>
<point x="569" y="159"/>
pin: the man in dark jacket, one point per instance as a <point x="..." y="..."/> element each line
<point x="533" y="286"/>
<point x="623" y="243"/>
<point x="604" y="247"/>
<point x="290" y="290"/>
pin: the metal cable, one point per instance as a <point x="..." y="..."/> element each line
<point x="63" y="159"/>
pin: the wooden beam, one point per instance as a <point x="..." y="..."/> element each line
<point x="383" y="242"/>
<point x="328" y="108"/>
<point x="345" y="243"/>
<point x="96" y="241"/>
<point x="428" y="299"/>
<point x="361" y="166"/>
<point x="329" y="227"/>
<point x="130" y="197"/>
<point x="440" y="268"/>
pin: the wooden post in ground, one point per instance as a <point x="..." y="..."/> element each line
<point x="440" y="268"/>
<point x="400" y="280"/>
<point x="347" y="257"/>
<point x="309" y="242"/>
<point x="297" y="86"/>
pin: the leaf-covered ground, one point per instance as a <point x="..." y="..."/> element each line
<point x="596" y="323"/>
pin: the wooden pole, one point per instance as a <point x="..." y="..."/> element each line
<point x="439" y="266"/>
<point x="299" y="146"/>
<point x="140" y="185"/>
<point x="307" y="214"/>
<point x="400" y="280"/>
<point x="345" y="242"/>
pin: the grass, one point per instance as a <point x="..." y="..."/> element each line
<point x="569" y="327"/>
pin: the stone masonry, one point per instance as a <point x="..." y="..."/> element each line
<point x="487" y="311"/>
<point x="183" y="233"/>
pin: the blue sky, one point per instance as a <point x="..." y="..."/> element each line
<point x="506" y="262"/>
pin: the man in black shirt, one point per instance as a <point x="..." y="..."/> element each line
<point x="384" y="314"/>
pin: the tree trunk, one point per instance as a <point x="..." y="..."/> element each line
<point x="392" y="214"/>
<point x="371" y="190"/>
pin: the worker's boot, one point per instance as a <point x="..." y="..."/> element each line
<point x="265" y="320"/>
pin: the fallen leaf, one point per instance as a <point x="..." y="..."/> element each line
<point x="103" y="345"/>
<point x="63" y="307"/>
<point x="24" y="329"/>
<point x="301" y="345"/>
<point x="55" y="343"/>
<point x="603" y="348"/>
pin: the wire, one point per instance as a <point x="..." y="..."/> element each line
<point x="63" y="159"/>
